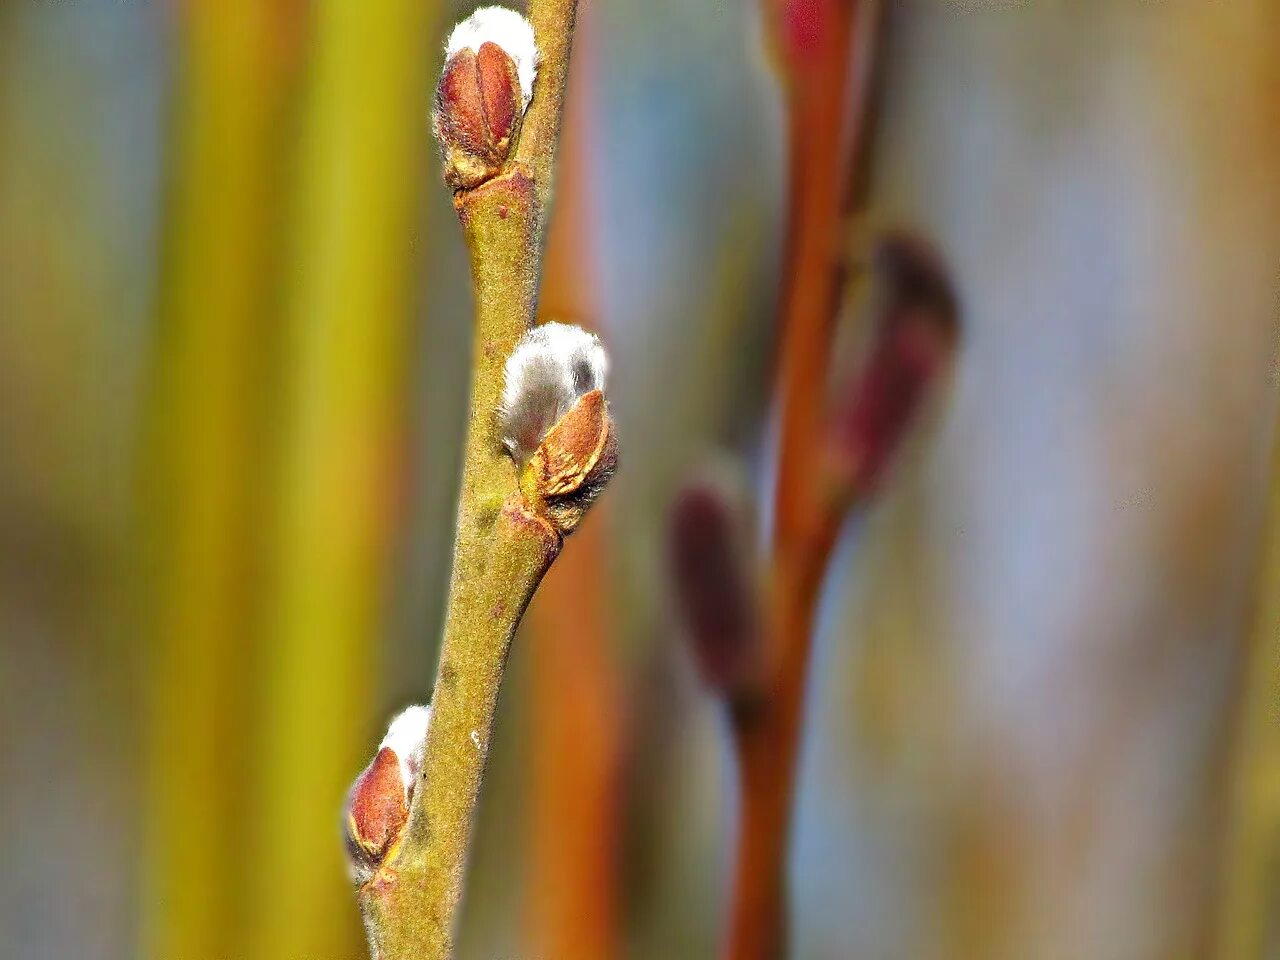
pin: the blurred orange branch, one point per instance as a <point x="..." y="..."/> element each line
<point x="575" y="697"/>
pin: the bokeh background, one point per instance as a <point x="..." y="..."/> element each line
<point x="234" y="331"/>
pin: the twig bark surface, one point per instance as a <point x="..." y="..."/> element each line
<point x="502" y="547"/>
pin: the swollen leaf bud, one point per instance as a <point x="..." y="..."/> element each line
<point x="378" y="804"/>
<point x="914" y="331"/>
<point x="714" y="590"/>
<point x="490" y="64"/>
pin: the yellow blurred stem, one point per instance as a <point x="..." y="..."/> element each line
<point x="200" y="478"/>
<point x="349" y="310"/>
<point x="1249" y="910"/>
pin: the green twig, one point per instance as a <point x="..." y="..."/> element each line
<point x="503" y="544"/>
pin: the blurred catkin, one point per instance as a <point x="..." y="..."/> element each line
<point x="349" y="311"/>
<point x="201" y="472"/>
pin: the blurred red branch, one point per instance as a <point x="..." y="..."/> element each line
<point x="826" y="110"/>
<point x="913" y="318"/>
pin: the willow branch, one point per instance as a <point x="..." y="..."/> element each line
<point x="505" y="538"/>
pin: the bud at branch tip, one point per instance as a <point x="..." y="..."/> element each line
<point x="491" y="61"/>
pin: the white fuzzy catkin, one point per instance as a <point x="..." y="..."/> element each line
<point x="407" y="736"/>
<point x="509" y="30"/>
<point x="551" y="367"/>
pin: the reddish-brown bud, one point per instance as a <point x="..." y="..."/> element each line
<point x="914" y="331"/>
<point x="378" y="804"/>
<point x="714" y="590"/>
<point x="491" y="60"/>
<point x="477" y="114"/>
<point x="808" y="34"/>
<point x="803" y="22"/>
<point x="377" y="810"/>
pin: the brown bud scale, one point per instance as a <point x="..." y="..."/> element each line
<point x="377" y="811"/>
<point x="477" y="114"/>
<point x="574" y="461"/>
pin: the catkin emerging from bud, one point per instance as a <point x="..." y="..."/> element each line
<point x="555" y="421"/>
<point x="551" y="367"/>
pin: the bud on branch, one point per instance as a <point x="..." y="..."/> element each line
<point x="555" y="421"/>
<point x="491" y="61"/>
<point x="499" y="141"/>
<point x="378" y="805"/>
<point x="914" y="332"/>
<point x="714" y="589"/>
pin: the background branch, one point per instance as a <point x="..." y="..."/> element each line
<point x="575" y="751"/>
<point x="827" y="107"/>
<point x="203" y="461"/>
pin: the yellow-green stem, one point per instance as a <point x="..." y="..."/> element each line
<point x="235" y="65"/>
<point x="501" y="548"/>
<point x="346" y="330"/>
